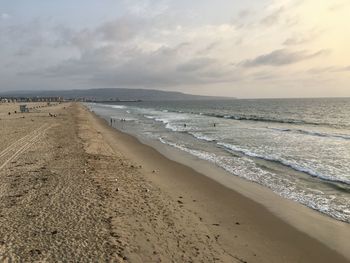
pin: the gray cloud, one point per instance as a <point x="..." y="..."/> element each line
<point x="196" y="64"/>
<point x="331" y="69"/>
<point x="245" y="13"/>
<point x="295" y="41"/>
<point x="5" y="16"/>
<point x="303" y="38"/>
<point x="280" y="57"/>
<point x="165" y="45"/>
<point x="117" y="31"/>
<point x="110" y="66"/>
<point x="272" y="18"/>
<point x="336" y="6"/>
<point x="212" y="46"/>
<point x="121" y="29"/>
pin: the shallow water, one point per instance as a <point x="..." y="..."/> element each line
<point x="299" y="148"/>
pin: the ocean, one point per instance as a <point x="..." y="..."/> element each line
<point x="298" y="148"/>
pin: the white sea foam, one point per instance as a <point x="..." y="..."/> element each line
<point x="202" y="137"/>
<point x="118" y="107"/>
<point x="112" y="106"/>
<point x="314" y="133"/>
<point x="285" y="187"/>
<point x="255" y="140"/>
<point x="285" y="162"/>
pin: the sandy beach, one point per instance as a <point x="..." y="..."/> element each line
<point x="73" y="189"/>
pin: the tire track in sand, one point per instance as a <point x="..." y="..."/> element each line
<point x="23" y="144"/>
<point x="19" y="141"/>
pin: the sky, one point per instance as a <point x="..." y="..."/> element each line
<point x="245" y="49"/>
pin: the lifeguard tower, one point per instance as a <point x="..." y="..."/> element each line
<point x="23" y="108"/>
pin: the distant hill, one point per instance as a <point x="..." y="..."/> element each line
<point x="111" y="94"/>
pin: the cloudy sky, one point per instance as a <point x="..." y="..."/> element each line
<point x="255" y="48"/>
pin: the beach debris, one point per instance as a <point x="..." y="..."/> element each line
<point x="180" y="202"/>
<point x="147" y="190"/>
<point x="35" y="252"/>
<point x="238" y="223"/>
<point x="118" y="189"/>
<point x="240" y="260"/>
<point x="84" y="171"/>
<point x="216" y="224"/>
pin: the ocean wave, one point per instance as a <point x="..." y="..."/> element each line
<point x="314" y="133"/>
<point x="288" y="189"/>
<point x="165" y="121"/>
<point x="200" y="154"/>
<point x="118" y="107"/>
<point x="249" y="118"/>
<point x="262" y="119"/>
<point x="202" y="137"/>
<point x="113" y="106"/>
<point x="173" y="128"/>
<point x="284" y="162"/>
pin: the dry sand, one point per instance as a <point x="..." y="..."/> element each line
<point x="72" y="189"/>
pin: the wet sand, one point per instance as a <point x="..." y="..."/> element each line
<point x="74" y="189"/>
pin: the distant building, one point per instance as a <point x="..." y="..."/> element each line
<point x="23" y="108"/>
<point x="30" y="99"/>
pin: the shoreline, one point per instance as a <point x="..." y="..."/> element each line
<point x="271" y="223"/>
<point x="328" y="230"/>
<point x="72" y="188"/>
